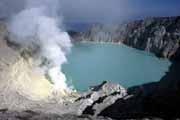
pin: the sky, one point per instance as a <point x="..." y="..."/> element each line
<point x="90" y="11"/>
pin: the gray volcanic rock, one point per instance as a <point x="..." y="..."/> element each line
<point x="6" y="114"/>
<point x="99" y="97"/>
<point x="158" y="99"/>
<point x="157" y="35"/>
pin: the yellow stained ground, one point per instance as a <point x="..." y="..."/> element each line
<point x="30" y="82"/>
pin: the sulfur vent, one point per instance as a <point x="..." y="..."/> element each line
<point x="23" y="84"/>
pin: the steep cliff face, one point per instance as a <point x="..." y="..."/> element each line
<point x="158" y="35"/>
<point x="158" y="99"/>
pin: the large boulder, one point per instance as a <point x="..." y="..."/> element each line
<point x="99" y="97"/>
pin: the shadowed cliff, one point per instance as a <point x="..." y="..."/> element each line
<point x="158" y="99"/>
<point x="160" y="36"/>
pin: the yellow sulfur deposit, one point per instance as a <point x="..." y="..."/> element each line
<point x="23" y="84"/>
<point x="29" y="81"/>
<point x="22" y="77"/>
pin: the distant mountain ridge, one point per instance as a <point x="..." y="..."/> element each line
<point x="159" y="35"/>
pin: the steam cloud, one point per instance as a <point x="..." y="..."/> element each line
<point x="37" y="27"/>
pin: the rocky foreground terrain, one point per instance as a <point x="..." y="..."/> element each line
<point x="26" y="94"/>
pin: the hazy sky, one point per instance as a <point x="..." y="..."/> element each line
<point x="103" y="10"/>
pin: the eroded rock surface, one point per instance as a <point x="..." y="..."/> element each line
<point x="99" y="97"/>
<point x="31" y="115"/>
<point x="160" y="36"/>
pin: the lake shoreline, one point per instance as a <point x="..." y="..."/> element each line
<point x="95" y="42"/>
<point x="89" y="57"/>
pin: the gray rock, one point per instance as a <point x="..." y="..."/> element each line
<point x="157" y="35"/>
<point x="99" y="97"/>
<point x="31" y="115"/>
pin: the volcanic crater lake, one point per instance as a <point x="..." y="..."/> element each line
<point x="89" y="64"/>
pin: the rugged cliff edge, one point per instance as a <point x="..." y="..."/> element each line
<point x="158" y="99"/>
<point x="158" y="35"/>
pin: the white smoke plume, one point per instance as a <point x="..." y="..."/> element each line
<point x="38" y="26"/>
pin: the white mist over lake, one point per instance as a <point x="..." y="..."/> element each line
<point x="90" y="64"/>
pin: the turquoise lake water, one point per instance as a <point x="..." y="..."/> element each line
<point x="89" y="64"/>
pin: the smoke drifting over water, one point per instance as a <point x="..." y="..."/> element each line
<point x="37" y="27"/>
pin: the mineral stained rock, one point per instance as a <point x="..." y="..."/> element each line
<point x="23" y="85"/>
